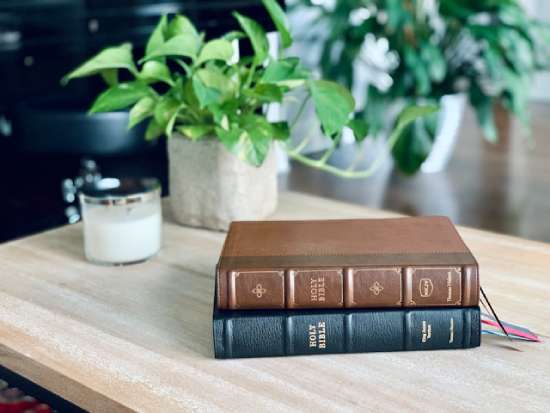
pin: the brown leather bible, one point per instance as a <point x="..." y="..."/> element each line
<point x="361" y="263"/>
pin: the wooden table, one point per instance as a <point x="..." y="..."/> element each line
<point x="139" y="337"/>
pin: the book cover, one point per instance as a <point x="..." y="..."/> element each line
<point x="301" y="332"/>
<point x="356" y="263"/>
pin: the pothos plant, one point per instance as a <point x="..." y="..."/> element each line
<point x="420" y="50"/>
<point x="203" y="90"/>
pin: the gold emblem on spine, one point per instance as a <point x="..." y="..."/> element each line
<point x="258" y="291"/>
<point x="426" y="287"/>
<point x="376" y="288"/>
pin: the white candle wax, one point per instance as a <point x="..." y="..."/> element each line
<point x="119" y="234"/>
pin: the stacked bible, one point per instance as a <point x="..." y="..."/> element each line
<point x="314" y="287"/>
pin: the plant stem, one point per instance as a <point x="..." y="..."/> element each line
<point x="185" y="67"/>
<point x="300" y="146"/>
<point x="349" y="173"/>
<point x="250" y="76"/>
<point x="343" y="173"/>
<point x="330" y="150"/>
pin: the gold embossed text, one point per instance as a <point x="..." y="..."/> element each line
<point x="317" y="289"/>
<point x="317" y="334"/>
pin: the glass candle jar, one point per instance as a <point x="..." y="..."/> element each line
<point x="122" y="220"/>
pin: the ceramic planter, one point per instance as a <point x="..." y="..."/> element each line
<point x="210" y="187"/>
<point x="448" y="125"/>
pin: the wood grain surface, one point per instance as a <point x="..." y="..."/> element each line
<point x="138" y="338"/>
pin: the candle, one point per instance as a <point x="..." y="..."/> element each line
<point x="122" y="221"/>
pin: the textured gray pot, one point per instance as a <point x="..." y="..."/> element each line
<point x="210" y="187"/>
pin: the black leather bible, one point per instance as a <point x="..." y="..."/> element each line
<point x="284" y="333"/>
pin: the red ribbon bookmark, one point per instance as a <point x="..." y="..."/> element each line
<point x="512" y="330"/>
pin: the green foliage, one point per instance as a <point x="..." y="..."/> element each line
<point x="141" y="110"/>
<point x="360" y="129"/>
<point x="185" y="45"/>
<point x="415" y="144"/>
<point x="333" y="104"/>
<point x="257" y="36"/>
<point x="119" y="96"/>
<point x="196" y="88"/>
<point x="487" y="49"/>
<point x="107" y="61"/>
<point x="153" y="71"/>
<point x="285" y="72"/>
<point x="408" y="116"/>
<point x="279" y="18"/>
<point x="218" y="49"/>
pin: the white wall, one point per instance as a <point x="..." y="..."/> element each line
<point x="541" y="84"/>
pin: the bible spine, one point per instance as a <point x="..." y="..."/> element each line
<point x="282" y="333"/>
<point x="349" y="287"/>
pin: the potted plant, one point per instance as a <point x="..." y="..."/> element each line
<point x="209" y="102"/>
<point x="432" y="51"/>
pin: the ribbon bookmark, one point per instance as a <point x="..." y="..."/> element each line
<point x="511" y="331"/>
<point x="514" y="331"/>
<point x="494" y="313"/>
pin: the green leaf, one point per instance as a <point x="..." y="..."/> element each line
<point x="211" y="86"/>
<point x="156" y="71"/>
<point x="285" y="72"/>
<point x="257" y="36"/>
<point x="265" y="93"/>
<point x="181" y="25"/>
<point x="414" y="146"/>
<point x="170" y="125"/>
<point x="433" y="58"/>
<point x="110" y="76"/>
<point x="411" y="113"/>
<point x="119" y="57"/>
<point x="230" y="139"/>
<point x="419" y="70"/>
<point x="215" y="78"/>
<point x="250" y="145"/>
<point x="260" y="133"/>
<point x="218" y="49"/>
<point x="195" y="132"/>
<point x="234" y="35"/>
<point x="281" y="131"/>
<point x="412" y="137"/>
<point x="188" y="94"/>
<point x="165" y="109"/>
<point x="484" y="112"/>
<point x="141" y="110"/>
<point x="205" y="95"/>
<point x="516" y="97"/>
<point x="483" y="106"/>
<point x="279" y="19"/>
<point x="333" y="105"/>
<point x="157" y="37"/>
<point x="182" y="45"/>
<point x="229" y="109"/>
<point x="120" y="97"/>
<point x="258" y="126"/>
<point x="360" y="129"/>
<point x="186" y="68"/>
<point x="154" y="130"/>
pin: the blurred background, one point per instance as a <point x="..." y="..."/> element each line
<point x="482" y="160"/>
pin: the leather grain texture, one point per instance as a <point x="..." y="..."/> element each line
<point x="301" y="332"/>
<point x="357" y="263"/>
